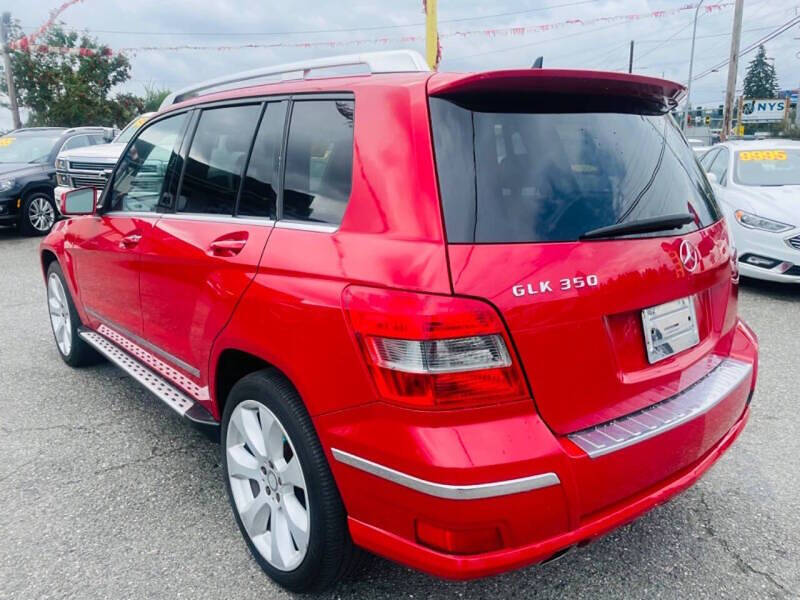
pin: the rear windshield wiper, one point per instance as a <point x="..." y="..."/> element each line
<point x="651" y="225"/>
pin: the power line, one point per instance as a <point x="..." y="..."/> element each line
<point x="780" y="30"/>
<point x="338" y="30"/>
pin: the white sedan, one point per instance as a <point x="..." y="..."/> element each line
<point x="757" y="184"/>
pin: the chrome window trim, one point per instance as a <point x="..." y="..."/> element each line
<point x="133" y="213"/>
<point x="212" y="218"/>
<point x="670" y="413"/>
<point x="143" y="342"/>
<point x="448" y="491"/>
<point x="306" y="226"/>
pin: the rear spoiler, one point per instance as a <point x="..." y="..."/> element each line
<point x="661" y="94"/>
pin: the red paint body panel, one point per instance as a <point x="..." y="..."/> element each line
<point x="561" y="81"/>
<point x="450" y="566"/>
<point x="188" y="292"/>
<point x="279" y="299"/>
<point x="596" y="331"/>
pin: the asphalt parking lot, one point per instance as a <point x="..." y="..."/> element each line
<point x="104" y="493"/>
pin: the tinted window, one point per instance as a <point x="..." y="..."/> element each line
<point x="319" y="161"/>
<point x="720" y="165"/>
<point x="259" y="193"/>
<point x="540" y="177"/>
<point x="78" y="141"/>
<point x="216" y="159"/>
<point x="141" y="173"/>
<point x="708" y="157"/>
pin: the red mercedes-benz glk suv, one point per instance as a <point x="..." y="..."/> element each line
<point x="464" y="321"/>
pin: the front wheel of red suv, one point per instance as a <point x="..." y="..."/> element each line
<point x="280" y="486"/>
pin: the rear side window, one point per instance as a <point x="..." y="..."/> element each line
<point x="216" y="159"/>
<point x="547" y="177"/>
<point x="319" y="161"/>
<point x="259" y="193"/>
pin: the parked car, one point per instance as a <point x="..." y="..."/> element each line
<point x="464" y="321"/>
<point x="88" y="165"/>
<point x="757" y="184"/>
<point x="697" y="145"/>
<point x="28" y="174"/>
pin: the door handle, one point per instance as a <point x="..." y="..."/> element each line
<point x="227" y="246"/>
<point x="130" y="240"/>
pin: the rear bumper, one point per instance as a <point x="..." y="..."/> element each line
<point x="501" y="475"/>
<point x="470" y="567"/>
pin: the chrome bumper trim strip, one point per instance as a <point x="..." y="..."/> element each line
<point x="665" y="415"/>
<point x="447" y="491"/>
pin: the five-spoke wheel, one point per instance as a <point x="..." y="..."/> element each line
<point x="268" y="485"/>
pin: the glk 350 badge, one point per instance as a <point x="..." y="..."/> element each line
<point x="561" y="285"/>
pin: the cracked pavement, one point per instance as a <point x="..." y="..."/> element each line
<point x="106" y="494"/>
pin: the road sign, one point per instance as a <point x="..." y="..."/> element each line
<point x="763" y="110"/>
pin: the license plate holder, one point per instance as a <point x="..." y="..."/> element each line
<point x="670" y="328"/>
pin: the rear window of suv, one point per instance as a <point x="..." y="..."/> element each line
<point x="545" y="177"/>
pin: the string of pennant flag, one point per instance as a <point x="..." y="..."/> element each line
<point x="27" y="44"/>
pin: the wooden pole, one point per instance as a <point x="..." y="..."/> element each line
<point x="733" y="68"/>
<point x="12" y="90"/>
<point x="431" y="35"/>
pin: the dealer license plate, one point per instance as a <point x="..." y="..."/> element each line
<point x="670" y="328"/>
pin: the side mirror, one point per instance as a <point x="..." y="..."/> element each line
<point x="82" y="201"/>
<point x="712" y="177"/>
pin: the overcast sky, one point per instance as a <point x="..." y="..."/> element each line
<point x="662" y="44"/>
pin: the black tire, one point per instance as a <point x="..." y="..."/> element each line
<point x="26" y="225"/>
<point x="331" y="553"/>
<point x="81" y="354"/>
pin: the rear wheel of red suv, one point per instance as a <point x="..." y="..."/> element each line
<point x="280" y="486"/>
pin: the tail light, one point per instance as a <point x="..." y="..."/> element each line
<point x="432" y="351"/>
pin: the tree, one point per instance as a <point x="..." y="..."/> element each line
<point x="761" y="81"/>
<point x="69" y="90"/>
<point x="153" y="97"/>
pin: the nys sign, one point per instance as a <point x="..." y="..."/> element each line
<point x="773" y="109"/>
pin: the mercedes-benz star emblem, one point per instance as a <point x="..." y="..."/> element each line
<point x="690" y="257"/>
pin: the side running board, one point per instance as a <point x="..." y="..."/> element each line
<point x="164" y="390"/>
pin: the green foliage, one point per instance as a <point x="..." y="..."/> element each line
<point x="69" y="91"/>
<point x="153" y="97"/>
<point x="761" y="81"/>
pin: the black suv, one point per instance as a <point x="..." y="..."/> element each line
<point x="28" y="172"/>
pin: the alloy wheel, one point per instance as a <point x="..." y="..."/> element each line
<point x="268" y="485"/>
<point x="41" y="214"/>
<point x="59" y="314"/>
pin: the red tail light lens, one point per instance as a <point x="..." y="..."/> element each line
<point x="433" y="351"/>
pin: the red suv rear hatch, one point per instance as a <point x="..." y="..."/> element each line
<point x="573" y="204"/>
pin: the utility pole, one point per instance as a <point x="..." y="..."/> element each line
<point x="691" y="67"/>
<point x="12" y="90"/>
<point x="733" y="69"/>
<point x="431" y="34"/>
<point x="630" y="59"/>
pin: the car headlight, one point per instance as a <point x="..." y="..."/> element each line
<point x="752" y="221"/>
<point x="61" y="164"/>
<point x="6" y="184"/>
<point x="62" y="180"/>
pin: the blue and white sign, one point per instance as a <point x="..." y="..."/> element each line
<point x="763" y="110"/>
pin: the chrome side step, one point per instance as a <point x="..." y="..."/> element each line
<point x="165" y="391"/>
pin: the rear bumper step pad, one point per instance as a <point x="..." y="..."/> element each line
<point x="165" y="391"/>
<point x="665" y="415"/>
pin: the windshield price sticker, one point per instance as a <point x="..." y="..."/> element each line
<point x="763" y="155"/>
<point x="6" y="141"/>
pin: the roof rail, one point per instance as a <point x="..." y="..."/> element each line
<point x="390" y="61"/>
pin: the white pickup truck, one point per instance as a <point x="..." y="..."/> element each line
<point x="90" y="165"/>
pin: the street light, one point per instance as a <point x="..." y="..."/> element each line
<point x="691" y="66"/>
